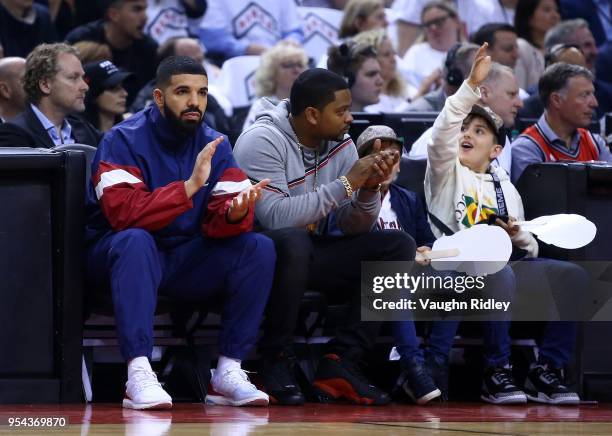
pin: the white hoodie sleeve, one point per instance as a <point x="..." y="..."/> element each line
<point x="443" y="145"/>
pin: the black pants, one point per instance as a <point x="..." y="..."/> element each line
<point x="328" y="264"/>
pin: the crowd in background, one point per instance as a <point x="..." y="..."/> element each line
<point x="419" y="50"/>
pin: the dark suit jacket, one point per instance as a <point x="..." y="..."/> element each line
<point x="25" y="130"/>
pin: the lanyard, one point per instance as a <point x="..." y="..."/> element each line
<point x="499" y="195"/>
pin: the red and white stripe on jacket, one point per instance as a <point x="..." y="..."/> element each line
<point x="127" y="202"/>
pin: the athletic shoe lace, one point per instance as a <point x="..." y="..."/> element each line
<point x="550" y="377"/>
<point x="504" y="377"/>
<point x="142" y="379"/>
<point x="235" y="378"/>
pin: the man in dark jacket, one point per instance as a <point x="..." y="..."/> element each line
<point x="55" y="90"/>
<point x="123" y="31"/>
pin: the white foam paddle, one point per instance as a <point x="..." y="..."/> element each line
<point x="562" y="230"/>
<point x="479" y="250"/>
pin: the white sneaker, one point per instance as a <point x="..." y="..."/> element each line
<point x="233" y="388"/>
<point x="143" y="391"/>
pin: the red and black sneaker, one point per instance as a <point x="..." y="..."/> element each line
<point x="339" y="378"/>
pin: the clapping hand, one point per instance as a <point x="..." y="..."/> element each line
<point x="244" y="201"/>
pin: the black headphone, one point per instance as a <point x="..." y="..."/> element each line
<point x="454" y="76"/>
<point x="349" y="51"/>
<point x="346" y="57"/>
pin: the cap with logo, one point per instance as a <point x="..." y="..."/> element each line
<point x="103" y="75"/>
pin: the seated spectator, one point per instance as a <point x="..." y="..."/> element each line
<point x="456" y="67"/>
<point x="500" y="92"/>
<point x="173" y="18"/>
<point x="23" y="25"/>
<point x="105" y="103"/>
<point x="561" y="133"/>
<point x="215" y="115"/>
<point x="442" y="31"/>
<point x="150" y="232"/>
<point x="91" y="51"/>
<point x="55" y="88"/>
<point x="358" y="63"/>
<point x="231" y="28"/>
<point x="462" y="190"/>
<point x="409" y="13"/>
<point x="532" y="106"/>
<point x="12" y="95"/>
<point x="362" y="15"/>
<point x="532" y="20"/>
<point x="278" y="69"/>
<point x="394" y="95"/>
<point x="576" y="32"/>
<point x="403" y="210"/>
<point x="302" y="146"/>
<point x="123" y="30"/>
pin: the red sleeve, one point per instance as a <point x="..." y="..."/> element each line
<point x="230" y="184"/>
<point x="127" y="202"/>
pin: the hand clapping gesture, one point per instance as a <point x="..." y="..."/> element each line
<point x="244" y="201"/>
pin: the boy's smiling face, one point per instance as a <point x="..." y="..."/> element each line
<point x="477" y="144"/>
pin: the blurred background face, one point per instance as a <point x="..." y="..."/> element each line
<point x="503" y="98"/>
<point x="112" y="101"/>
<point x="131" y="17"/>
<point x="368" y="84"/>
<point x="578" y="102"/>
<point x="441" y="29"/>
<point x="288" y="69"/>
<point x="386" y="59"/>
<point x="505" y="49"/>
<point x="545" y="17"/>
<point x="376" y="20"/>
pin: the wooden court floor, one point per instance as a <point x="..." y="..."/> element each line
<point x="314" y="419"/>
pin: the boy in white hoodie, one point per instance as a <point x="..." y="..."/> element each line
<point x="462" y="189"/>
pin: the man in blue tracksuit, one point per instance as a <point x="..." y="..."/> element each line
<point x="170" y="212"/>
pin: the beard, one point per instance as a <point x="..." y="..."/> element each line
<point x="183" y="127"/>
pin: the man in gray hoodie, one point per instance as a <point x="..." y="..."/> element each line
<point x="302" y="146"/>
